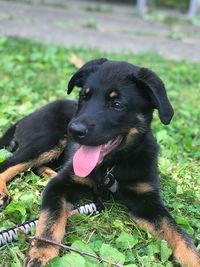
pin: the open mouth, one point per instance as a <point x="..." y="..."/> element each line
<point x="87" y="158"/>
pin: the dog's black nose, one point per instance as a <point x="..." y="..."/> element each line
<point x="77" y="130"/>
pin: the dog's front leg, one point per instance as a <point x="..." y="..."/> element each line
<point x="52" y="220"/>
<point x="147" y="210"/>
<point x="51" y="224"/>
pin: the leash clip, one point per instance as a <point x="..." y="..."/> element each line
<point x="109" y="180"/>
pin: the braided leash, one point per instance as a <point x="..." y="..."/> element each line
<point x="10" y="235"/>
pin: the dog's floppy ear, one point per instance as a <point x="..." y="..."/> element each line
<point x="79" y="78"/>
<point x="155" y="88"/>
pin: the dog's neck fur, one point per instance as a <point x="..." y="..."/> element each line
<point x="135" y="154"/>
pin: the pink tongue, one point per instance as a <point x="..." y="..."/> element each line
<point x="85" y="160"/>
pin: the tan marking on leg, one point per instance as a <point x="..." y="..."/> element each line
<point x="55" y="229"/>
<point x="183" y="249"/>
<point x="186" y="253"/>
<point x="46" y="172"/>
<point x="47" y="252"/>
<point x="51" y="154"/>
<point x="131" y="134"/>
<point x="43" y="219"/>
<point x="58" y="229"/>
<point x="84" y="181"/>
<point x="144" y="223"/>
<point x="5" y="197"/>
<point x="45" y="157"/>
<point x="3" y="188"/>
<point x="12" y="171"/>
<point x="8" y="174"/>
<point x="141" y="188"/>
<point x="57" y="226"/>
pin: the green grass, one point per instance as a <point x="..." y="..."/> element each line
<point x="183" y="5"/>
<point x="31" y="75"/>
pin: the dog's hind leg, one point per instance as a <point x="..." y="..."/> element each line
<point x="8" y="169"/>
<point x="14" y="165"/>
<point x="22" y="160"/>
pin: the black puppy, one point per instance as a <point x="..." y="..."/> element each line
<point x="109" y="146"/>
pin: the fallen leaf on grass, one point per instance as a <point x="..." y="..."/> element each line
<point x="77" y="61"/>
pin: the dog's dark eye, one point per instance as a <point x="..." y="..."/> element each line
<point x="117" y="106"/>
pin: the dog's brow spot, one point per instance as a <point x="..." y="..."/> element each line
<point x="87" y="90"/>
<point x="113" y="94"/>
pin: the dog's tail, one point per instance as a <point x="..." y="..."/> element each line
<point x="7" y="140"/>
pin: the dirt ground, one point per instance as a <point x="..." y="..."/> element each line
<point x="111" y="27"/>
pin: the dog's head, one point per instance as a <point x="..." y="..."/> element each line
<point x="116" y="103"/>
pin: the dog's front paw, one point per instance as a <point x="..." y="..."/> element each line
<point x="4" y="200"/>
<point x="37" y="261"/>
<point x="32" y="263"/>
<point x="40" y="256"/>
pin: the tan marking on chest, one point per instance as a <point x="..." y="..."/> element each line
<point x="141" y="188"/>
<point x="84" y="181"/>
<point x="131" y="134"/>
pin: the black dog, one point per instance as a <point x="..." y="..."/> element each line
<point x="103" y="143"/>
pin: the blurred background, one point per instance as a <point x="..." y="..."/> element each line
<point x="42" y="44"/>
<point x="169" y="27"/>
